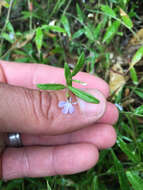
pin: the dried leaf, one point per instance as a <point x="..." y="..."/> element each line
<point x="21" y="43"/>
<point x="137" y="39"/>
<point x="117" y="79"/>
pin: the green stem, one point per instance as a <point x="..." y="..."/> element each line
<point x="4" y="27"/>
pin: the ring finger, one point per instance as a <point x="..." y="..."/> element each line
<point x="101" y="135"/>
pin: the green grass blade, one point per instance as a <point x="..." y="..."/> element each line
<point x="124" y="147"/>
<point x="111" y="31"/>
<point x="134" y="76"/>
<point x="109" y="11"/>
<point x="120" y="172"/>
<point x="65" y="22"/>
<point x="135" y="180"/>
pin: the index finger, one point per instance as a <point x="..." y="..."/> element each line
<point x="28" y="75"/>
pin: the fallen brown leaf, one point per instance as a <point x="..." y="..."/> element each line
<point x="117" y="79"/>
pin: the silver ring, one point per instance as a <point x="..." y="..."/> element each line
<point x="14" y="140"/>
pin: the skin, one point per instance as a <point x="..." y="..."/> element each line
<point x="54" y="143"/>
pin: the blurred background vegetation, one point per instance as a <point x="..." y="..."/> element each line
<point x="110" y="33"/>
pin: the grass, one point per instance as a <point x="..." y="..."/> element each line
<point x="101" y="29"/>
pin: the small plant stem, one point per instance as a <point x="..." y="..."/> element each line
<point x="30" y="9"/>
<point x="4" y="27"/>
<point x="68" y="4"/>
<point x="67" y="94"/>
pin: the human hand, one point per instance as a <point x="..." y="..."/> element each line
<point x="54" y="143"/>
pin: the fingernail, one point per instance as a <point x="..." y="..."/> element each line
<point x="90" y="109"/>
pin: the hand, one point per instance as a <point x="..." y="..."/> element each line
<point x="54" y="143"/>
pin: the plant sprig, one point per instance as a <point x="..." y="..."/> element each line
<point x="68" y="76"/>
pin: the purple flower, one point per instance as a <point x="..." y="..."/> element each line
<point x="67" y="106"/>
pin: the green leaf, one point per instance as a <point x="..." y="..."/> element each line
<point x="39" y="39"/>
<point x="126" y="19"/>
<point x="139" y="110"/>
<point x="79" y="13"/>
<point x="97" y="30"/>
<point x="54" y="28"/>
<point x="89" y="33"/>
<point x="51" y="86"/>
<point x="68" y="75"/>
<point x="10" y="28"/>
<point x="111" y="31"/>
<point x="4" y="3"/>
<point x="139" y="92"/>
<point x="66" y="25"/>
<point x="106" y="9"/>
<point x="124" y="147"/>
<point x="135" y="180"/>
<point x="78" y="34"/>
<point x="95" y="183"/>
<point x="48" y="185"/>
<point x="137" y="57"/>
<point x="8" y="37"/>
<point x="120" y="172"/>
<point x="80" y="82"/>
<point x="83" y="95"/>
<point x="79" y="64"/>
<point x="134" y="76"/>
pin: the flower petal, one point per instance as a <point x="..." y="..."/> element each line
<point x="71" y="109"/>
<point x="65" y="109"/>
<point x="61" y="104"/>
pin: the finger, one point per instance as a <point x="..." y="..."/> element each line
<point x="37" y="112"/>
<point x="101" y="135"/>
<point x="111" y="114"/>
<point x="43" y="161"/>
<point x="28" y="75"/>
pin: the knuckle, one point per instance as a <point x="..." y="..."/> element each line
<point x="26" y="162"/>
<point x="43" y="108"/>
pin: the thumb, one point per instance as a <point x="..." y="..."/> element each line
<point x="37" y="112"/>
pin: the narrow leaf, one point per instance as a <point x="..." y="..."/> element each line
<point x="137" y="57"/>
<point x="39" y="39"/>
<point x="10" y="28"/>
<point x="78" y="34"/>
<point x="134" y="76"/>
<point x="139" y="92"/>
<point x="66" y="25"/>
<point x="139" y="110"/>
<point x="97" y="30"/>
<point x="80" y="82"/>
<point x="8" y="37"/>
<point x="106" y="9"/>
<point x="120" y="172"/>
<point x="79" y="64"/>
<point x="68" y="75"/>
<point x="135" y="180"/>
<point x="111" y="31"/>
<point x="84" y="95"/>
<point x="88" y="33"/>
<point x="4" y="3"/>
<point x="124" y="147"/>
<point x="54" y="28"/>
<point x="126" y="19"/>
<point x="51" y="86"/>
<point x="79" y="13"/>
